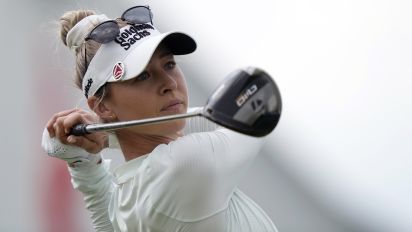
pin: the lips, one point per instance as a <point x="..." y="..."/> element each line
<point x="173" y="105"/>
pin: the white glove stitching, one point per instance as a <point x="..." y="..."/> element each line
<point x="73" y="155"/>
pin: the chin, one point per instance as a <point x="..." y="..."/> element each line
<point x="177" y="126"/>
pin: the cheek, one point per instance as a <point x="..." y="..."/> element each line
<point x="131" y="104"/>
<point x="141" y="107"/>
<point x="182" y="86"/>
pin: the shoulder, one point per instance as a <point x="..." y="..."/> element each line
<point x="198" y="152"/>
<point x="195" y="175"/>
<point x="192" y="148"/>
<point x="195" y="145"/>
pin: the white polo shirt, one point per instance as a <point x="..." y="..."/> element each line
<point x="187" y="185"/>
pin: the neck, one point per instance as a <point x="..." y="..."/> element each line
<point x="134" y="145"/>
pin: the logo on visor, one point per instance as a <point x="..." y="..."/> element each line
<point x="118" y="71"/>
<point x="130" y="36"/>
<point x="87" y="87"/>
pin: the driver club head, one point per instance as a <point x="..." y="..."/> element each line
<point x="248" y="101"/>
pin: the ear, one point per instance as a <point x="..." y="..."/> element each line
<point x="102" y="109"/>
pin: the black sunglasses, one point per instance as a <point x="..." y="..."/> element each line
<point x="107" y="31"/>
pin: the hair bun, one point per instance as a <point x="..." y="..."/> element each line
<point x="75" y="25"/>
<point x="69" y="19"/>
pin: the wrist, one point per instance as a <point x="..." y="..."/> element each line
<point x="90" y="160"/>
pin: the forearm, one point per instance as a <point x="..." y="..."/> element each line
<point x="95" y="183"/>
<point x="90" y="176"/>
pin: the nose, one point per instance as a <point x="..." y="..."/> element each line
<point x="168" y="83"/>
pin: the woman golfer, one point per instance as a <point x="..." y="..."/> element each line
<point x="174" y="179"/>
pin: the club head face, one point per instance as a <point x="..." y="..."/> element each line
<point x="248" y="101"/>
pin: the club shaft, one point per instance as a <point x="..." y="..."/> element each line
<point x="119" y="125"/>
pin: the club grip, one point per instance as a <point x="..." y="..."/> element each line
<point x="79" y="129"/>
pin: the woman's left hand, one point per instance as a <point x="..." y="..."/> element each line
<point x="61" y="123"/>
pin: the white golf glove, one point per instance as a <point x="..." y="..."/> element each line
<point x="75" y="156"/>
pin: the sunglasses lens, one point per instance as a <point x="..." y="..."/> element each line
<point x="139" y="14"/>
<point x="105" y="32"/>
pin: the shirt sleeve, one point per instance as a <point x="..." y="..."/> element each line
<point x="197" y="174"/>
<point x="95" y="183"/>
<point x="88" y="176"/>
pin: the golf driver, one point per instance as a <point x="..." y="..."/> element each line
<point x="248" y="101"/>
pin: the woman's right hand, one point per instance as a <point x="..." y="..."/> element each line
<point x="61" y="123"/>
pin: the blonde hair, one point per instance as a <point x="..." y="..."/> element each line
<point x="67" y="21"/>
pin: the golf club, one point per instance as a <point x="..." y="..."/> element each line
<point x="248" y="101"/>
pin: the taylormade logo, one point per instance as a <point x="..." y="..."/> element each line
<point x="133" y="34"/>
<point x="246" y="95"/>
<point x="87" y="87"/>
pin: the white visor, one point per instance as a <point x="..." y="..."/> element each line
<point x="127" y="56"/>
